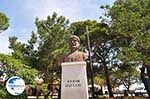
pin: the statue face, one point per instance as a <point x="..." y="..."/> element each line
<point x="74" y="43"/>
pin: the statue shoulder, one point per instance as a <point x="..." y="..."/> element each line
<point x="80" y="52"/>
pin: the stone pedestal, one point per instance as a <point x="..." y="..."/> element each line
<point x="74" y="81"/>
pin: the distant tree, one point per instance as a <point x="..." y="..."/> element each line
<point x="125" y="74"/>
<point x="17" y="48"/>
<point x="45" y="47"/>
<point x="4" y="22"/>
<point x="99" y="40"/>
<point x="52" y="39"/>
<point x="14" y="67"/>
<point x="97" y="31"/>
<point x="129" y="23"/>
<point x="10" y="63"/>
<point x="130" y="26"/>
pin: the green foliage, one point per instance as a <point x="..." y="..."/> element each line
<point x="17" y="48"/>
<point x="125" y="74"/>
<point x="3" y="22"/>
<point x="21" y="70"/>
<point x="8" y="96"/>
<point x="52" y="41"/>
<point x="44" y="88"/>
<point x="53" y="36"/>
<point x="130" y="26"/>
<point x="99" y="80"/>
<point x="99" y="40"/>
<point x="128" y="22"/>
<point x="45" y="47"/>
<point x="3" y="92"/>
<point x="129" y="54"/>
<point x="96" y="30"/>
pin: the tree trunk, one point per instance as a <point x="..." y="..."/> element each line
<point x="145" y="78"/>
<point x="46" y="75"/>
<point x="108" y="81"/>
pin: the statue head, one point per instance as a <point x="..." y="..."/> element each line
<point x="74" y="42"/>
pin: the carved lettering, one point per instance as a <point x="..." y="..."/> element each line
<point x="73" y="83"/>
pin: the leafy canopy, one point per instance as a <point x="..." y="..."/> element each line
<point x="3" y="22"/>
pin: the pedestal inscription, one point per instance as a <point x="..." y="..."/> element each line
<point x="74" y="81"/>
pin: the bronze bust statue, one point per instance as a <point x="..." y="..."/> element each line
<point x="74" y="53"/>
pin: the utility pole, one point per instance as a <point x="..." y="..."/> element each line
<point x="90" y="62"/>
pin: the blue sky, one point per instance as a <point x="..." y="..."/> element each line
<point x="22" y="14"/>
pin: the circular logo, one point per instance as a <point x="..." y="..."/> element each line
<point x="15" y="85"/>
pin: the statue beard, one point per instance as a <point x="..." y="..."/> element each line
<point x="74" y="48"/>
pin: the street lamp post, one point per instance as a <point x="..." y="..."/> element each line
<point x="90" y="61"/>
